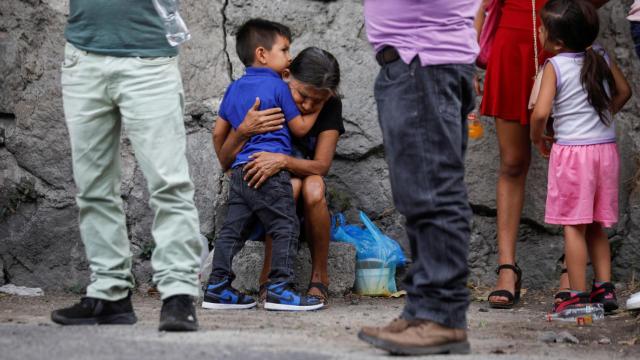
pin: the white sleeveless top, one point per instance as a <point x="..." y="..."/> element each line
<point x="576" y="122"/>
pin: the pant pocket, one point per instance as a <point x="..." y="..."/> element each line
<point x="156" y="61"/>
<point x="278" y="187"/>
<point x="71" y="56"/>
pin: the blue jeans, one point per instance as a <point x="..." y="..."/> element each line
<point x="635" y="35"/>
<point x="272" y="205"/>
<point x="422" y="112"/>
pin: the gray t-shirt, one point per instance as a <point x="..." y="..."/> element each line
<point x="123" y="28"/>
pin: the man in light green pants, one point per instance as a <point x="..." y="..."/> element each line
<point x="119" y="71"/>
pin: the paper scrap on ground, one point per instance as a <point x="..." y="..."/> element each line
<point x="21" y="290"/>
<point x="398" y="294"/>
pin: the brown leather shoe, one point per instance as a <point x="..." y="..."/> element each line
<point x="421" y="338"/>
<point x="396" y="325"/>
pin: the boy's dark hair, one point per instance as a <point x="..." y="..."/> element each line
<point x="575" y="24"/>
<point x="255" y="33"/>
<point x="316" y="67"/>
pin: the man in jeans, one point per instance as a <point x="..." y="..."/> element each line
<point x="424" y="92"/>
<point x="119" y="71"/>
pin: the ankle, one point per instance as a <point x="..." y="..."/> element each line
<point x="576" y="292"/>
<point x="322" y="281"/>
<point x="598" y="283"/>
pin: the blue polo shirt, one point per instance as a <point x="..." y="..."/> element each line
<point x="273" y="92"/>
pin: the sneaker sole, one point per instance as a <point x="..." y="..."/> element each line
<point x="116" y="319"/>
<point x="178" y="326"/>
<point x="218" y="306"/>
<point x="461" y="347"/>
<point x="284" y="307"/>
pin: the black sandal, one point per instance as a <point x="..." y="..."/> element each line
<point x="563" y="294"/>
<point x="513" y="299"/>
<point x="323" y="290"/>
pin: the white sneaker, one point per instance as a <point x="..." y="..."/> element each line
<point x="633" y="303"/>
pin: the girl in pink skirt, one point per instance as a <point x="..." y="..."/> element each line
<point x="582" y="88"/>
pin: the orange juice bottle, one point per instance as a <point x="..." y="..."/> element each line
<point x="475" y="126"/>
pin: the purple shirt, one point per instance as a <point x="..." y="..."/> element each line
<point x="438" y="31"/>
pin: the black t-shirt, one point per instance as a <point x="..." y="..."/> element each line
<point x="330" y="118"/>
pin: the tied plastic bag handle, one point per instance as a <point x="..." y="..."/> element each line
<point x="371" y="244"/>
<point x="375" y="233"/>
<point x="389" y="249"/>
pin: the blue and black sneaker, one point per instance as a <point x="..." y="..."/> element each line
<point x="221" y="296"/>
<point x="280" y="296"/>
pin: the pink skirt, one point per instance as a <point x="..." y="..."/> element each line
<point x="583" y="184"/>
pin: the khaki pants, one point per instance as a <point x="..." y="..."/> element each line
<point x="101" y="94"/>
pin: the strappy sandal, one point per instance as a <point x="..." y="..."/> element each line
<point x="513" y="299"/>
<point x="323" y="290"/>
<point x="563" y="294"/>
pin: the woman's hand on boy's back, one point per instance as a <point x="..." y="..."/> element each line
<point x="261" y="121"/>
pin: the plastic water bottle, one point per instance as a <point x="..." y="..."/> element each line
<point x="580" y="314"/>
<point x="475" y="126"/>
<point x="176" y="29"/>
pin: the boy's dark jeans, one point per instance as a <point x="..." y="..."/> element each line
<point x="635" y="35"/>
<point x="271" y="204"/>
<point x="422" y="113"/>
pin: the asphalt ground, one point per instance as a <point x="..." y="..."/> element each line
<point x="26" y="332"/>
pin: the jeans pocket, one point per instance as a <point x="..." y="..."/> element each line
<point x="395" y="71"/>
<point x="278" y="187"/>
<point x="452" y="85"/>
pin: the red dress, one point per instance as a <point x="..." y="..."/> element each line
<point x="511" y="66"/>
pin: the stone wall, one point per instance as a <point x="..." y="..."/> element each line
<point x="39" y="239"/>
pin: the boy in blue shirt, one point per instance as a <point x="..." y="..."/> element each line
<point x="263" y="47"/>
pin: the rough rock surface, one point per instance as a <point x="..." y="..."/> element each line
<point x="2" y="279"/>
<point x="39" y="241"/>
<point x="248" y="263"/>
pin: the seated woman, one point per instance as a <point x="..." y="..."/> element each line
<point x="313" y="77"/>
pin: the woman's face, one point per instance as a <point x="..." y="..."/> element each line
<point x="308" y="98"/>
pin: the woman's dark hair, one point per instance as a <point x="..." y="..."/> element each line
<point x="317" y="68"/>
<point x="575" y="25"/>
<point x="255" y="33"/>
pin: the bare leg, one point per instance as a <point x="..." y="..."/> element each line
<point x="296" y="184"/>
<point x="575" y="250"/>
<point x="564" y="282"/>
<point x="599" y="252"/>
<point x="515" y="157"/>
<point x="318" y="227"/>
